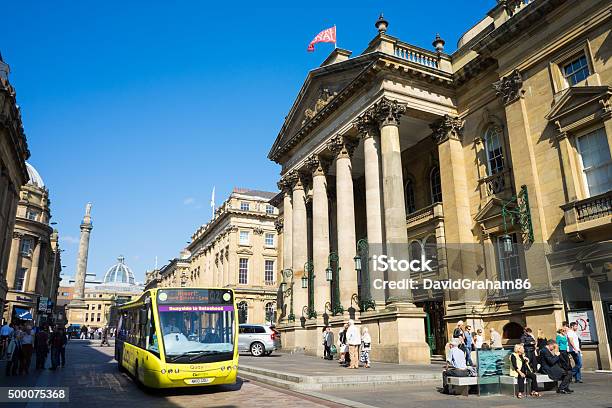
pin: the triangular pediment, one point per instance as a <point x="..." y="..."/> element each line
<point x="579" y="100"/>
<point x="321" y="86"/>
<point x="490" y="211"/>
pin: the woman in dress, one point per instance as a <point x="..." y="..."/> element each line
<point x="366" y="347"/>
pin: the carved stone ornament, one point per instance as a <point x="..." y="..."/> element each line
<point x="258" y="231"/>
<point x="445" y="128"/>
<point x="509" y="88"/>
<point x="366" y="124"/>
<point x="342" y="146"/>
<point x="388" y="112"/>
<point x="316" y="164"/>
<point x="279" y="224"/>
<point x="325" y="96"/>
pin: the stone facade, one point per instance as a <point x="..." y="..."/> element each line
<point x="482" y="160"/>
<point x="237" y="249"/>
<point x="13" y="174"/>
<point x="34" y="265"/>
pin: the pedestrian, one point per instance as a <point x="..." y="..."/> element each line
<point x="27" y="348"/>
<point x="495" y="338"/>
<point x="13" y="353"/>
<point x="469" y="344"/>
<point x="573" y="341"/>
<point x="550" y="365"/>
<point x="353" y="339"/>
<point x="563" y="348"/>
<point x="328" y="342"/>
<point x="455" y="365"/>
<point x="83" y="332"/>
<point x="521" y="370"/>
<point x="478" y="339"/>
<point x="105" y="337"/>
<point x="41" y="346"/>
<point x="366" y="347"/>
<point x="58" y="341"/>
<point x="344" y="357"/>
<point x="529" y="345"/>
<point x="458" y="334"/>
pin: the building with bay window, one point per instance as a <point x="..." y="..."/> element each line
<point x="493" y="162"/>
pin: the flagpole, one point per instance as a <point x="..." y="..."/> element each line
<point x="336" y="42"/>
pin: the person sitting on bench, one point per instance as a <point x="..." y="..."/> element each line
<point x="551" y="366"/>
<point x="521" y="370"/>
<point x="455" y="365"/>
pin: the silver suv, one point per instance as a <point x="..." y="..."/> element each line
<point x="258" y="339"/>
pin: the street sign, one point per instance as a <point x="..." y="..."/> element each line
<point x="42" y="303"/>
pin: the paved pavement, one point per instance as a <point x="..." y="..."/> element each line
<point x="94" y="381"/>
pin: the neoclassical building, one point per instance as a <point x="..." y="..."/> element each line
<point x="493" y="162"/>
<point x="13" y="173"/>
<point x="34" y="266"/>
<point x="237" y="249"/>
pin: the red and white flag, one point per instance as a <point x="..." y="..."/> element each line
<point x="327" y="35"/>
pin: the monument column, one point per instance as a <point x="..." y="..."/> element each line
<point x="14" y="256"/>
<point x="368" y="129"/>
<point x="299" y="244"/>
<point x="343" y="148"/>
<point x="320" y="231"/>
<point x="388" y="113"/>
<point x="86" y="227"/>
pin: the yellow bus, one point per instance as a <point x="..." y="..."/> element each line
<point x="179" y="337"/>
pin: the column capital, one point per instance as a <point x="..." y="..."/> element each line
<point x="279" y="223"/>
<point x="18" y="235"/>
<point x="388" y="112"/>
<point x="283" y="185"/>
<point x="367" y="124"/>
<point x="509" y="87"/>
<point x="317" y="165"/>
<point x="295" y="180"/>
<point x="448" y="127"/>
<point x="342" y="146"/>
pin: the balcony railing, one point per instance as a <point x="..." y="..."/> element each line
<point x="496" y="184"/>
<point x="410" y="53"/>
<point x="424" y="215"/>
<point x="590" y="213"/>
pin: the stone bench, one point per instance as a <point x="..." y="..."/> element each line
<point x="461" y="384"/>
<point x="507" y="380"/>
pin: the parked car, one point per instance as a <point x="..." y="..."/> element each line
<point x="257" y="339"/>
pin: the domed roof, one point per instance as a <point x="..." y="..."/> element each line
<point x="119" y="273"/>
<point x="34" y="176"/>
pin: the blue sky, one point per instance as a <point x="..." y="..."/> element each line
<point x="141" y="107"/>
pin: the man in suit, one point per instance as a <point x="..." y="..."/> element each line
<point x="551" y="365"/>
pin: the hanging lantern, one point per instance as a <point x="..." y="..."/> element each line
<point x="506" y="243"/>
<point x="304" y="282"/>
<point x="329" y="274"/>
<point x="283" y="287"/>
<point x="357" y="260"/>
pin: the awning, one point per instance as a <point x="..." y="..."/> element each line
<point x="23" y="314"/>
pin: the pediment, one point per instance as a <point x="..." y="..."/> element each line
<point x="244" y="251"/>
<point x="489" y="215"/>
<point x="579" y="101"/>
<point x="321" y="87"/>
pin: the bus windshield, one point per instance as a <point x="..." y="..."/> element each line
<point x="197" y="333"/>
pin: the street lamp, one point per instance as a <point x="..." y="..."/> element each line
<point x="363" y="275"/>
<point x="288" y="292"/>
<point x="308" y="282"/>
<point x="333" y="276"/>
<point x="357" y="260"/>
<point x="506" y="243"/>
<point x="329" y="274"/>
<point x="304" y="282"/>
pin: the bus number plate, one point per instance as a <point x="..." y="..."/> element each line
<point x="199" y="380"/>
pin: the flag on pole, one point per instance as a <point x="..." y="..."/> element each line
<point x="212" y="202"/>
<point x="328" y="35"/>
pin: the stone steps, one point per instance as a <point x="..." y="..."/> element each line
<point x="298" y="382"/>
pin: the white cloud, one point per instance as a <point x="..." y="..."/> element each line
<point x="69" y="239"/>
<point x="189" y="201"/>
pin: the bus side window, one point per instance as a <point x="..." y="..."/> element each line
<point x="152" y="344"/>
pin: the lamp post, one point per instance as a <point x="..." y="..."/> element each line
<point x="288" y="292"/>
<point x="332" y="273"/>
<point x="363" y="276"/>
<point x="308" y="282"/>
<point x="516" y="211"/>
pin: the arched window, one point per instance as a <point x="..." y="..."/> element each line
<point x="415" y="250"/>
<point x="409" y="197"/>
<point x="436" y="185"/>
<point x="494" y="150"/>
<point x="270" y="312"/>
<point x="243" y="312"/>
<point x="431" y="251"/>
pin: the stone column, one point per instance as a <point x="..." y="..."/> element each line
<point x="600" y="321"/>
<point x="343" y="149"/>
<point x="320" y="231"/>
<point x="285" y="187"/>
<point x="369" y="131"/>
<point x="11" y="270"/>
<point x="33" y="273"/>
<point x="86" y="227"/>
<point x="299" y="244"/>
<point x="388" y="113"/>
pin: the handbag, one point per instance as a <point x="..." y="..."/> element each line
<point x="333" y="349"/>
